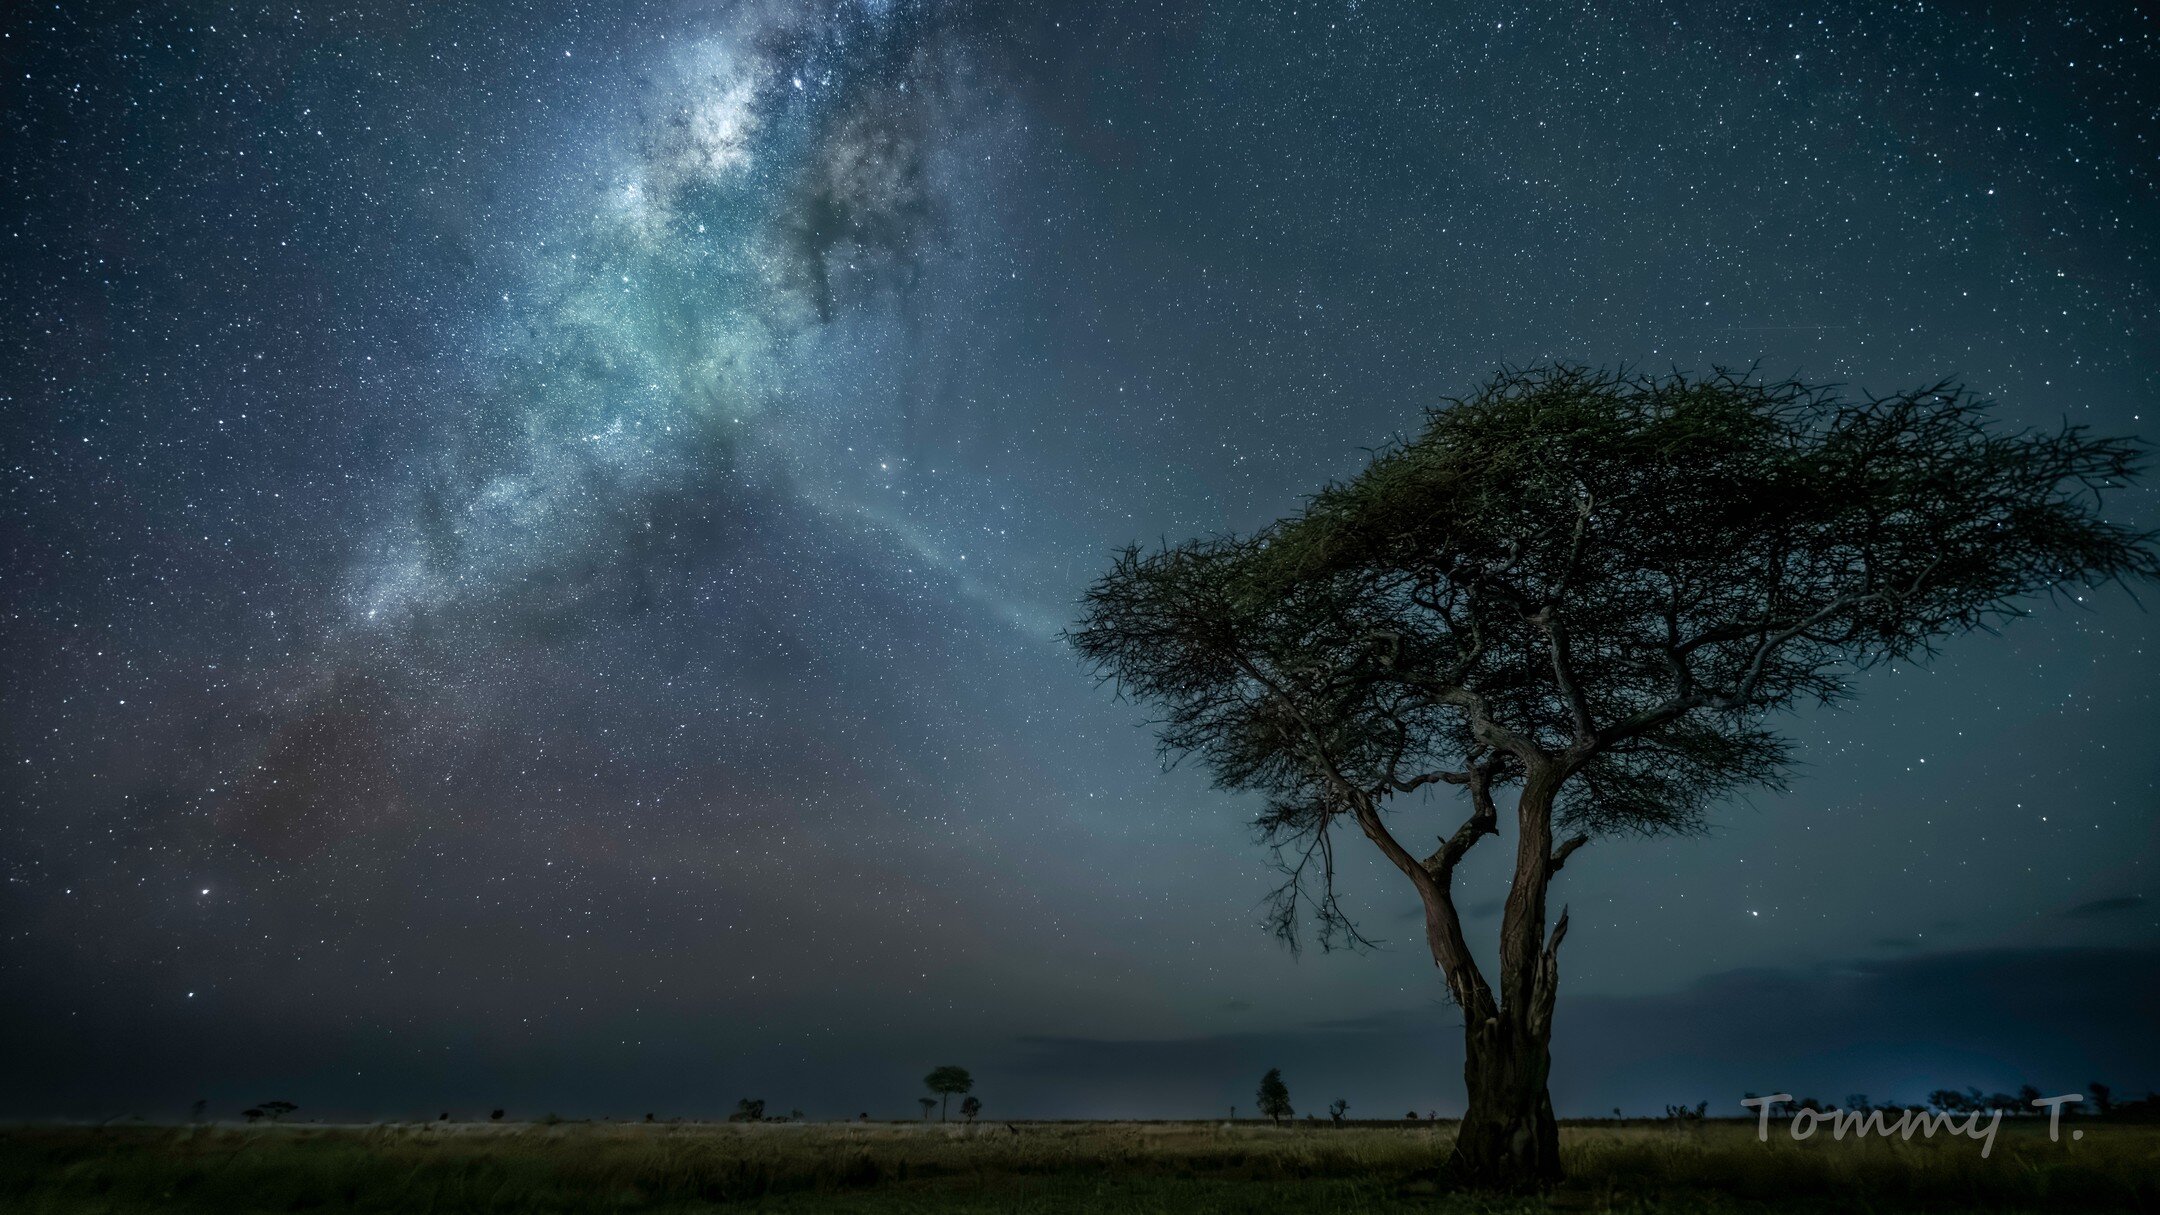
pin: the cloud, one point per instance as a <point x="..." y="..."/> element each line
<point x="2106" y="907"/>
<point x="1892" y="1028"/>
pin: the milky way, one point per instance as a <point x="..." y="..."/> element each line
<point x="536" y="536"/>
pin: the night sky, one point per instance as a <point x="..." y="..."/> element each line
<point x="534" y="538"/>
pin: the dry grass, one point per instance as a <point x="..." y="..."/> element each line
<point x="1138" y="1167"/>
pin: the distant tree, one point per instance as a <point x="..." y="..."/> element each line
<point x="1275" y="1096"/>
<point x="1856" y="1101"/>
<point x="945" y="1081"/>
<point x="443" y="1117"/>
<point x="864" y="1116"/>
<point x="2027" y="1094"/>
<point x="278" y="1109"/>
<point x="496" y="1116"/>
<point x="648" y="1117"/>
<point x="2002" y="1101"/>
<point x="748" y="1109"/>
<point x="1593" y="588"/>
<point x="196" y="1111"/>
<point x="928" y="1104"/>
<point x="796" y="1115"/>
<point x="1411" y="1116"/>
<point x="1336" y="1109"/>
<point x="551" y="1118"/>
<point x="971" y="1107"/>
<point x="254" y="1115"/>
<point x="1948" y="1100"/>
<point x="2103" y="1098"/>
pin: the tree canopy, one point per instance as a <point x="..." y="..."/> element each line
<point x="1612" y="574"/>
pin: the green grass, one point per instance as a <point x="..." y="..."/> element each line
<point x="1056" y="1167"/>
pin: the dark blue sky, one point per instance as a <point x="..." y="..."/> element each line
<point x="534" y="537"/>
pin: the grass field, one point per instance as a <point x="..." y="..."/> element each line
<point x="1042" y="1167"/>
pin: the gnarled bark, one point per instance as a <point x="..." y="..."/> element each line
<point x="1509" y="1138"/>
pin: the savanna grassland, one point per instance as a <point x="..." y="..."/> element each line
<point x="1037" y="1167"/>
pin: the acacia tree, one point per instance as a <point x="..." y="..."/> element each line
<point x="945" y="1081"/>
<point x="1589" y="589"/>
<point x="1275" y="1096"/>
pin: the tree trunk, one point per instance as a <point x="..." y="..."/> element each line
<point x="1509" y="1138"/>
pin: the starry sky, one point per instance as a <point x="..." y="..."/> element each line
<point x="535" y="533"/>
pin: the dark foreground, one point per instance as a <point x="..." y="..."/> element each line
<point x="1124" y="1167"/>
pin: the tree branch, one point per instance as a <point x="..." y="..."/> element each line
<point x="1484" y="820"/>
<point x="1687" y="697"/>
<point x="1563" y="669"/>
<point x="1566" y="850"/>
<point x="1547" y="984"/>
<point x="1444" y="927"/>
<point x="1423" y="779"/>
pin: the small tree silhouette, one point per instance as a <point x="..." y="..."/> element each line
<point x="971" y="1107"/>
<point x="2103" y="1097"/>
<point x="947" y="1080"/>
<point x="1336" y="1109"/>
<point x="278" y="1109"/>
<point x="497" y="1116"/>
<point x="252" y="1115"/>
<point x="928" y="1104"/>
<point x="1275" y="1096"/>
<point x="749" y="1109"/>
